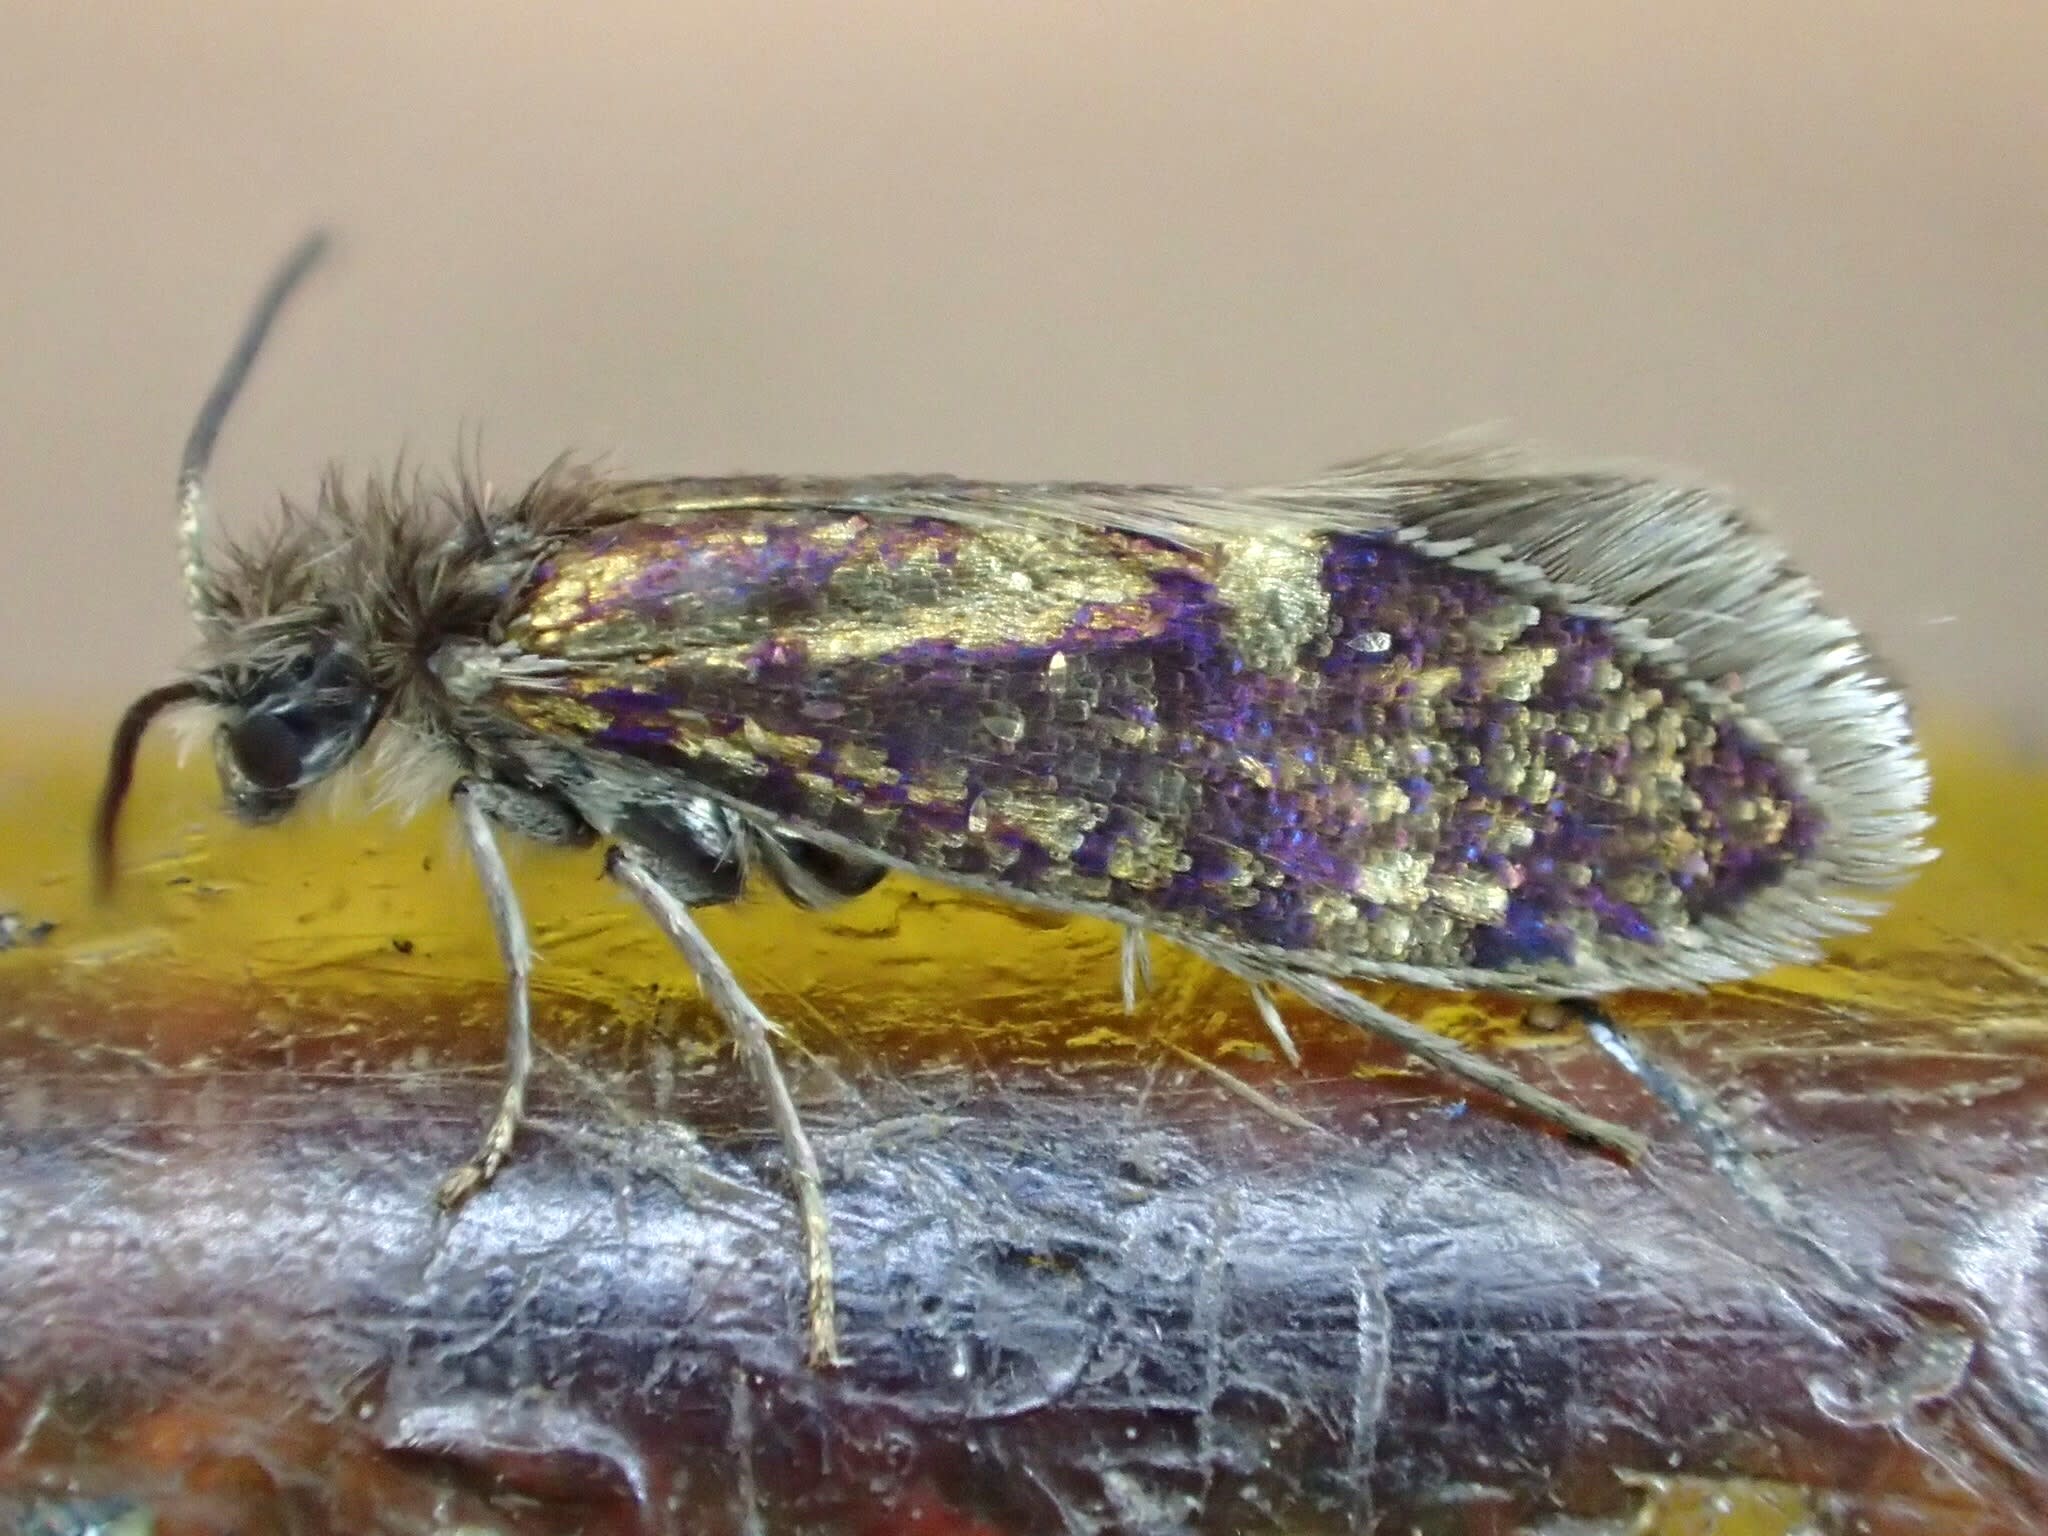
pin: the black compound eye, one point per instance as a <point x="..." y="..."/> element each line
<point x="269" y="753"/>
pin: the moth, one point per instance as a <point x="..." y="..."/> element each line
<point x="1446" y="718"/>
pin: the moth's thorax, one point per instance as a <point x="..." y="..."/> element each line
<point x="389" y="572"/>
<point x="1331" y="744"/>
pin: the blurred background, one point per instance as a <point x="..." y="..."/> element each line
<point x="1799" y="248"/>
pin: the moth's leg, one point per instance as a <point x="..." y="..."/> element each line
<point x="1137" y="979"/>
<point x="1678" y="1097"/>
<point x="1685" y="1103"/>
<point x="1136" y="956"/>
<point x="697" y="847"/>
<point x="1269" y="1015"/>
<point x="1696" y="1108"/>
<point x="1449" y="1057"/>
<point x="812" y="875"/>
<point x="751" y="1028"/>
<point x="476" y="802"/>
<point x="530" y="813"/>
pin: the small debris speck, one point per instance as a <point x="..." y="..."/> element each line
<point x="17" y="932"/>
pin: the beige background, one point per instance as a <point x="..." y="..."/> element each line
<point x="1801" y="246"/>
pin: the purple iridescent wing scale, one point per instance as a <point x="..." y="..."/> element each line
<point x="1341" y="748"/>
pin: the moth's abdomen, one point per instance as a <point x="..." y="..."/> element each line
<point x="1335" y="745"/>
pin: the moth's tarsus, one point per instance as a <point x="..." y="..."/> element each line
<point x="1721" y="1140"/>
<point x="1238" y="1088"/>
<point x="1683" y="1102"/>
<point x="508" y="924"/>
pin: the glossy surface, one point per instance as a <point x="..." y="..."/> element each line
<point x="1336" y="747"/>
<point x="1084" y="1286"/>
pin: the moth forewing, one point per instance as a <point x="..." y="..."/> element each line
<point x="1393" y="743"/>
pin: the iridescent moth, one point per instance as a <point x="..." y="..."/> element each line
<point x="1446" y="719"/>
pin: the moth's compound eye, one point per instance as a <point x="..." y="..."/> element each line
<point x="267" y="751"/>
<point x="290" y="727"/>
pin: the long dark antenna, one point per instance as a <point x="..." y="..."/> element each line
<point x="199" y="444"/>
<point x="121" y="773"/>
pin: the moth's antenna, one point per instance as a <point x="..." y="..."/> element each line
<point x="199" y="445"/>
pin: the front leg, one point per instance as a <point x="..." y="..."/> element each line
<point x="697" y="852"/>
<point x="478" y="803"/>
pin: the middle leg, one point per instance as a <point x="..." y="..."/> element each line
<point x="653" y="886"/>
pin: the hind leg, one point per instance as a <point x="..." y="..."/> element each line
<point x="1454" y="1060"/>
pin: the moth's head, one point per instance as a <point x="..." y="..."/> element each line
<point x="282" y="726"/>
<point x="293" y="705"/>
<point x="286" y="727"/>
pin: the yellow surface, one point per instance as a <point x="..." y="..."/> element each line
<point x="345" y="899"/>
<point x="354" y="907"/>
